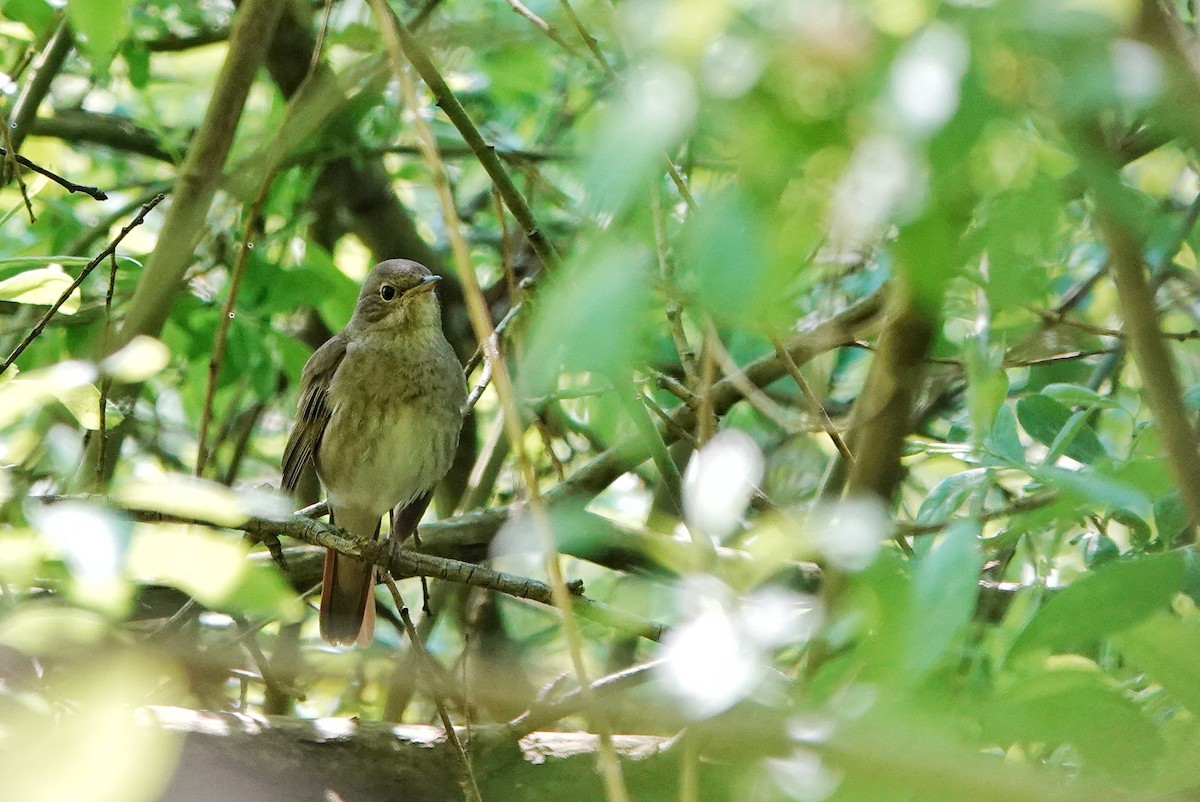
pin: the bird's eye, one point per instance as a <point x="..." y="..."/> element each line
<point x="387" y="292"/>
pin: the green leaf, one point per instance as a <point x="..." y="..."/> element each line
<point x="36" y="15"/>
<point x="1079" y="707"/>
<point x="1076" y="395"/>
<point x="1003" y="441"/>
<point x="1094" y="487"/>
<point x="1166" y="647"/>
<point x="722" y="262"/>
<point x="1097" y="605"/>
<point x="1044" y="419"/>
<point x="949" y="494"/>
<point x="1170" y="518"/>
<point x="41" y="286"/>
<point x="263" y="592"/>
<point x="945" y="585"/>
<point x="101" y="25"/>
<point x="591" y="317"/>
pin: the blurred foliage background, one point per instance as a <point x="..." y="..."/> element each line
<point x="850" y="357"/>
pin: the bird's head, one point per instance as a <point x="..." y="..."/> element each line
<point x="397" y="294"/>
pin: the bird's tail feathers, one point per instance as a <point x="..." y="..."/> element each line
<point x="347" y="589"/>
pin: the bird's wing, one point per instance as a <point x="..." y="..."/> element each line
<point x="313" y="412"/>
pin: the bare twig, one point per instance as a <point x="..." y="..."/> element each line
<point x="83" y="274"/>
<point x="814" y="404"/>
<point x="427" y="664"/>
<point x="504" y="323"/>
<point x="544" y="27"/>
<point x="448" y="102"/>
<point x="106" y="382"/>
<point x="66" y="184"/>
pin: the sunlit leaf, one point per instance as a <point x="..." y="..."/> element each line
<point x="140" y="359"/>
<point x="102" y="25"/>
<point x="1105" y="602"/>
<point x="68" y="382"/>
<point x="42" y="286"/>
<point x="104" y="750"/>
<point x="186" y="497"/>
<point x="206" y="565"/>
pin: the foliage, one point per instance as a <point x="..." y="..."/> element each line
<point x="785" y="229"/>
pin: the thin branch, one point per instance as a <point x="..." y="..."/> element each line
<point x="448" y="102"/>
<point x="504" y="323"/>
<point x="543" y="715"/>
<point x="594" y="47"/>
<point x="66" y="184"/>
<point x="404" y="562"/>
<point x="545" y="27"/>
<point x="252" y="219"/>
<point x="814" y="404"/>
<point x="108" y="251"/>
<point x="426" y="663"/>
<point x="106" y="382"/>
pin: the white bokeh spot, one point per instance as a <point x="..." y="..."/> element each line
<point x="849" y="534"/>
<point x="721" y="479"/>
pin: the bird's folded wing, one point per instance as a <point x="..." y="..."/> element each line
<point x="313" y="412"/>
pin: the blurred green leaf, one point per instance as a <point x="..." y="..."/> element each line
<point x="1080" y="707"/>
<point x="945" y="586"/>
<point x="205" y="565"/>
<point x="184" y="496"/>
<point x="105" y="752"/>
<point x="42" y="286"/>
<point x="949" y="494"/>
<point x="1104" y="602"/>
<point x="592" y="317"/>
<point x="1045" y="419"/>
<point x="101" y="24"/>
<point x="1166" y="647"/>
<point x="722" y="260"/>
<point x="37" y="15"/>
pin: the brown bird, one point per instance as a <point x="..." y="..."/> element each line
<point x="379" y="415"/>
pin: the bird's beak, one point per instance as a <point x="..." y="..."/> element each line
<point x="427" y="283"/>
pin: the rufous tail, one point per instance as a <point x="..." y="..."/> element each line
<point x="348" y="586"/>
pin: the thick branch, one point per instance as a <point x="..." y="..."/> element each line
<point x="1160" y="385"/>
<point x="201" y="172"/>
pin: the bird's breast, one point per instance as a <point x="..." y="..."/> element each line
<point x="390" y="436"/>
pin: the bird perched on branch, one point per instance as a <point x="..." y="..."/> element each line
<point x="379" y="416"/>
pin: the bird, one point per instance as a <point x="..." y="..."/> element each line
<point x="379" y="416"/>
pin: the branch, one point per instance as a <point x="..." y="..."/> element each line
<point x="402" y="562"/>
<point x="201" y="174"/>
<point x="107" y="130"/>
<point x="48" y="64"/>
<point x="83" y="274"/>
<point x="66" y="184"/>
<point x="1160" y="385"/>
<point x="448" y="103"/>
